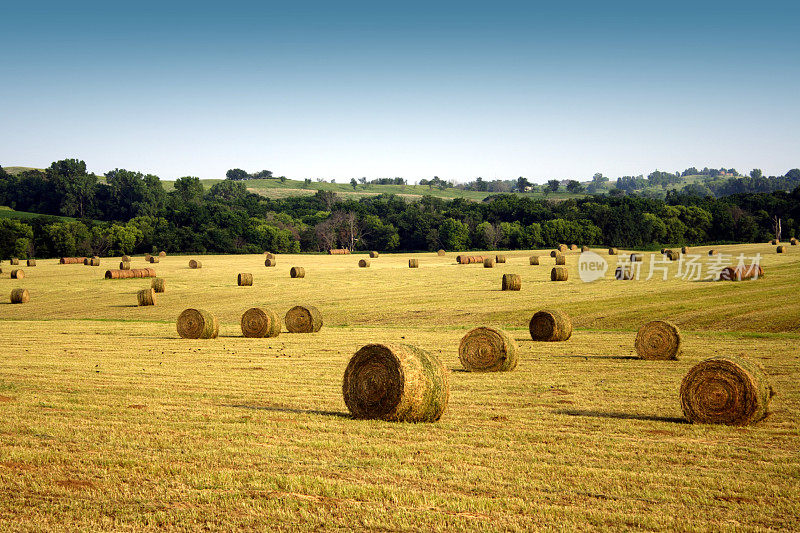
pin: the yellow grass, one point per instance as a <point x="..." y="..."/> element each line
<point x="109" y="421"/>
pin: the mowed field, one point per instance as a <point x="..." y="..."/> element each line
<point x="108" y="420"/>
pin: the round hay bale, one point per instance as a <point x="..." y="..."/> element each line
<point x="573" y="247"/>
<point x="197" y="324"/>
<point x="500" y="259"/>
<point x="20" y="296"/>
<point x="87" y="261"/>
<point x="148" y="272"/>
<point x="413" y="263"/>
<point x="363" y="263"/>
<point x="162" y="253"/>
<point x="17" y="274"/>
<point x="685" y="250"/>
<point x="147" y="257"/>
<point x="663" y="251"/>
<point x="584" y="249"/>
<point x="553" y="253"/>
<point x="612" y="251"/>
<point x="268" y="255"/>
<point x="562" y="248"/>
<point x="658" y="340"/>
<point x="146" y="297"/>
<point x="14" y="261"/>
<point x="154" y="259"/>
<point x="561" y="259"/>
<point x="559" y="273"/>
<point x="511" y="282"/>
<point x="259" y="323"/>
<point x="270" y="262"/>
<point x="193" y="263"/>
<point x="373" y="255"/>
<point x="303" y="319"/>
<point x="550" y="325"/>
<point x="441" y="253"/>
<point x="488" y="262"/>
<point x="297" y="272"/>
<point x="244" y="279"/>
<point x="712" y="252"/>
<point x="780" y="249"/>
<point x="485" y="349"/>
<point x="672" y="255"/>
<point x="731" y="390"/>
<point x="622" y="273"/>
<point x="397" y="383"/>
<point x="793" y="242"/>
<point x="534" y="259"/>
<point x="112" y="274"/>
<point x="637" y="258"/>
<point x="159" y="284"/>
<point x="31" y="262"/>
<point x="773" y="242"/>
<point x="741" y="273"/>
<point x="95" y="262"/>
<point x="125" y="259"/>
<point x="124" y="265"/>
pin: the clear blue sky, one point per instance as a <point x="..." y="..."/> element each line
<point x="412" y="89"/>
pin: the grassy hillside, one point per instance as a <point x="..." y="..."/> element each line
<point x="7" y="212"/>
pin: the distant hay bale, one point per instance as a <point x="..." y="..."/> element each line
<point x="17" y="274"/>
<point x="197" y="324"/>
<point x="561" y="259"/>
<point x="562" y="248"/>
<point x="270" y="262"/>
<point x="132" y="273"/>
<point x="672" y="255"/>
<point x="124" y="265"/>
<point x="612" y="251"/>
<point x="125" y="259"/>
<point x="685" y="250"/>
<point x="373" y="255"/>
<point x="622" y="273"/>
<point x="550" y="325"/>
<point x="87" y="261"/>
<point x="485" y="349"/>
<point x="162" y="253"/>
<point x="154" y="259"/>
<point x="584" y="249"/>
<point x="554" y="253"/>
<point x="740" y="273"/>
<point x="637" y="258"/>
<point x="20" y="296"/>
<point x="303" y="319"/>
<point x="773" y="242"/>
<point x="259" y="323"/>
<point x="339" y="251"/>
<point x="71" y="260"/>
<point x="244" y="279"/>
<point x="511" y="282"/>
<point x="363" y="263"/>
<point x="413" y="263"/>
<point x="147" y="257"/>
<point x="663" y="251"/>
<point x="441" y="252"/>
<point x="268" y="255"/>
<point x="500" y="259"/>
<point x="712" y="252"/>
<point x="573" y="247"/>
<point x="396" y="383"/>
<point x="780" y="249"/>
<point x="559" y="273"/>
<point x="95" y="262"/>
<point x="146" y="297"/>
<point x="193" y="263"/>
<point x="793" y="242"/>
<point x="488" y="262"/>
<point x="297" y="272"/>
<point x="534" y="259"/>
<point x="730" y="390"/>
<point x="658" y="340"/>
<point x="14" y="261"/>
<point x="159" y="285"/>
<point x="31" y="262"/>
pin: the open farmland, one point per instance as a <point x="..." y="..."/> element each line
<point x="109" y="420"/>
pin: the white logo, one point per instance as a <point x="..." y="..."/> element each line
<point x="591" y="267"/>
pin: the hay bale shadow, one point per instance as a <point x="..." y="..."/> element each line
<point x="621" y="416"/>
<point x="336" y="414"/>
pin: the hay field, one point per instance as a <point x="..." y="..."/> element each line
<point x="109" y="421"/>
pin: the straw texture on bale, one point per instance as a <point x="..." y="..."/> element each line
<point x="731" y="390"/>
<point x="553" y="253"/>
<point x="584" y="248"/>
<point x="637" y="258"/>
<point x="297" y="272"/>
<point x="534" y="259"/>
<point x="31" y="262"/>
<point x="270" y="262"/>
<point x="95" y="262"/>
<point x="268" y="255"/>
<point x="125" y="259"/>
<point x="162" y="253"/>
<point x="159" y="284"/>
<point x="197" y="324"/>
<point x="550" y="325"/>
<point x="87" y="261"/>
<point x="485" y="349"/>
<point x="712" y="252"/>
<point x="17" y="274"/>
<point x="396" y="383"/>
<point x="500" y="259"/>
<point x="244" y="279"/>
<point x="363" y="263"/>
<point x="71" y="260"/>
<point x="663" y="251"/>
<point x="132" y="273"/>
<point x="573" y="247"/>
<point x="147" y="257"/>
<point x="413" y="263"/>
<point x="685" y="250"/>
<point x="612" y="251"/>
<point x="740" y="273"/>
<point x="562" y="248"/>
<point x="658" y="340"/>
<point x="623" y="273"/>
<point x="124" y="265"/>
<point x="441" y="252"/>
<point x="339" y="251"/>
<point x="559" y="273"/>
<point x="672" y="255"/>
<point x="259" y="323"/>
<point x="780" y="249"/>
<point x="154" y="259"/>
<point x="511" y="282"/>
<point x="147" y="297"/>
<point x="14" y="261"/>
<point x="194" y="263"/>
<point x="469" y="259"/>
<point x="793" y="242"/>
<point x="373" y="255"/>
<point x="303" y="319"/>
<point x="561" y="259"/>
<point x="488" y="262"/>
<point x="20" y="296"/>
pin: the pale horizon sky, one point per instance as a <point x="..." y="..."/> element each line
<point x="456" y="90"/>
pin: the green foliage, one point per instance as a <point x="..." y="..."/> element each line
<point x="15" y="238"/>
<point x="454" y="235"/>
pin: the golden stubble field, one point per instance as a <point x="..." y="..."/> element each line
<point x="109" y="421"/>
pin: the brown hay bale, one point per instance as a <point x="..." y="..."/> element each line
<point x="550" y="325"/>
<point x="573" y="247"/>
<point x="268" y="255"/>
<point x="193" y="263"/>
<point x="554" y="253"/>
<point x="561" y="259"/>
<point x="685" y="250"/>
<point x="124" y="266"/>
<point x="339" y="251"/>
<point x="363" y="263"/>
<point x="297" y="272"/>
<point x="413" y="263"/>
<point x="658" y="340"/>
<point x="562" y="248"/>
<point x="773" y="242"/>
<point x="793" y="242"/>
<point x="146" y="297"/>
<point x="112" y="274"/>
<point x="672" y="255"/>
<point x="158" y="284"/>
<point x="441" y="252"/>
<point x="17" y="274"/>
<point x="14" y="261"/>
<point x="612" y="251"/>
<point x="87" y="261"/>
<point x="132" y="273"/>
<point x="559" y="273"/>
<point x="31" y="262"/>
<point x="373" y="255"/>
<point x="511" y="282"/>
<point x="584" y="249"/>
<point x="500" y="259"/>
<point x="397" y="383"/>
<point x="197" y="324"/>
<point x="260" y="323"/>
<point x="125" y="259"/>
<point x="637" y="258"/>
<point x="534" y="259"/>
<point x="244" y="279"/>
<point x="162" y="253"/>
<point x="154" y="259"/>
<point x="663" y="251"/>
<point x="622" y="273"/>
<point x="741" y="273"/>
<point x="485" y="349"/>
<point x="303" y="319"/>
<point x="488" y="262"/>
<point x="20" y="296"/>
<point x="95" y="262"/>
<point x="476" y="259"/>
<point x="730" y="390"/>
<point x="147" y="258"/>
<point x="712" y="252"/>
<point x="780" y="249"/>
<point x="270" y="262"/>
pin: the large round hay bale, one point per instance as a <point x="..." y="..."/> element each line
<point x="124" y="265"/>
<point x="740" y="273"/>
<point x="270" y="262"/>
<point x="550" y="325"/>
<point x="20" y="296"/>
<point x="303" y="319"/>
<point x="624" y="273"/>
<point x="146" y="297"/>
<point x="441" y="252"/>
<point x="87" y="261"/>
<point x="559" y="273"/>
<point x="194" y="263"/>
<point x="534" y="259"/>
<point x="658" y="340"/>
<point x="14" y="261"/>
<point x="584" y="249"/>
<point x="259" y="323"/>
<point x="95" y="262"/>
<point x="780" y="249"/>
<point x="729" y="390"/>
<point x="500" y="259"/>
<point x="413" y="263"/>
<point x="553" y="253"/>
<point x="147" y="257"/>
<point x="488" y="262"/>
<point x="373" y="255"/>
<point x="637" y="258"/>
<point x="158" y="284"/>
<point x="154" y="259"/>
<point x="31" y="262"/>
<point x="685" y="250"/>
<point x="511" y="282"/>
<point x="612" y="251"/>
<point x="244" y="279"/>
<point x="148" y="272"/>
<point x="485" y="349"/>
<point x="268" y="255"/>
<point x="162" y="253"/>
<point x="562" y="248"/>
<point x="663" y="251"/>
<point x="125" y="259"/>
<point x="17" y="274"/>
<point x="395" y="382"/>
<point x="363" y="263"/>
<point x="712" y="252"/>
<point x="197" y="324"/>
<point x="793" y="242"/>
<point x="112" y="274"/>
<point x="561" y="259"/>
<point x="672" y="255"/>
<point x="297" y="272"/>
